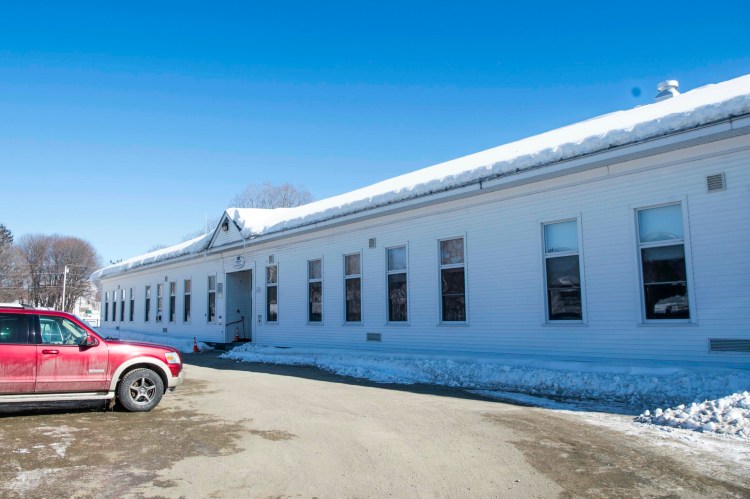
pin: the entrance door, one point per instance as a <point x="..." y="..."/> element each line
<point x="239" y="306"/>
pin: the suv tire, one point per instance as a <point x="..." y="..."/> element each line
<point x="140" y="390"/>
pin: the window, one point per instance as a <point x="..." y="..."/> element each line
<point x="114" y="306"/>
<point x="562" y="271"/>
<point x="14" y="328"/>
<point x="315" y="290"/>
<point x="122" y="305"/>
<point x="172" y="301"/>
<point x="147" y="315"/>
<point x="106" y="306"/>
<point x="353" y="287"/>
<point x="452" y="280"/>
<point x="159" y="301"/>
<point x="661" y="248"/>
<point x="186" y="302"/>
<point x="61" y="331"/>
<point x="132" y="304"/>
<point x="396" y="270"/>
<point x="211" y="298"/>
<point x="272" y="293"/>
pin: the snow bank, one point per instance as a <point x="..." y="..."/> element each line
<point x="184" y="345"/>
<point x="696" y="108"/>
<point x="728" y="415"/>
<point x="636" y="387"/>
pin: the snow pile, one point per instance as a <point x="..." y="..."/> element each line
<point x="702" y="106"/>
<point x="728" y="415"/>
<point x="184" y="345"/>
<point x="636" y="387"/>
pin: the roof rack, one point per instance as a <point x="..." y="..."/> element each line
<point x="24" y="306"/>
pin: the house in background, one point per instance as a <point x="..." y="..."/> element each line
<point x="624" y="237"/>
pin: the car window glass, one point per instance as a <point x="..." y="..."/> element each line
<point x="14" y="328"/>
<point x="61" y="331"/>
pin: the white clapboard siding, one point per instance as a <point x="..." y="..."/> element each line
<point x="504" y="264"/>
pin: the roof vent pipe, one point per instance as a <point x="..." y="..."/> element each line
<point x="667" y="90"/>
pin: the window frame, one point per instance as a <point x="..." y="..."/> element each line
<point x="449" y="266"/>
<point x="388" y="273"/>
<point x="131" y="311"/>
<point x="187" y="301"/>
<point x="122" y="305"/>
<point x="310" y="282"/>
<point x="581" y="270"/>
<point x="114" y="305"/>
<point x="211" y="293"/>
<point x="275" y="285"/>
<point x="172" y="313"/>
<point x="159" y="302"/>
<point x="348" y="277"/>
<point x="106" y="306"/>
<point x="147" y="304"/>
<point x="686" y="247"/>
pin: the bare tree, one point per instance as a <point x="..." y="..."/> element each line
<point x="267" y="196"/>
<point x="46" y="257"/>
<point x="272" y="196"/>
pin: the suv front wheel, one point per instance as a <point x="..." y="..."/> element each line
<point x="140" y="390"/>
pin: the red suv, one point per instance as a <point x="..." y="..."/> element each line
<point x="54" y="356"/>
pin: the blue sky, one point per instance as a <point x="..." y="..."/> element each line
<point x="127" y="124"/>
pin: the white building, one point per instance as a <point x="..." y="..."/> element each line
<point x="622" y="237"/>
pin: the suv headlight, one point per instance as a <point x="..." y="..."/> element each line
<point x="172" y="357"/>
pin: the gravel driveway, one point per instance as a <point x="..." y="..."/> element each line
<point x="248" y="430"/>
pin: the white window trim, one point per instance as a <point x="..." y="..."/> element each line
<point x="114" y="305"/>
<point x="692" y="307"/>
<point x="147" y="304"/>
<point x="581" y="269"/>
<point x="122" y="305"/>
<point x="265" y="295"/>
<point x="322" y="293"/>
<point x="131" y="300"/>
<point x="191" y="299"/>
<point x="157" y="317"/>
<point x="465" y="266"/>
<point x="407" y="322"/>
<point x="361" y="297"/>
<point x="171" y="312"/>
<point x="106" y="306"/>
<point x="208" y="294"/>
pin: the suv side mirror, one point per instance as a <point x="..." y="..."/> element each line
<point x="90" y="341"/>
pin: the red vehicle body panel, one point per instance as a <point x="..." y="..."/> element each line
<point x="18" y="369"/>
<point x="68" y="368"/>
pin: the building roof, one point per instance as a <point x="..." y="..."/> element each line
<point x="693" y="109"/>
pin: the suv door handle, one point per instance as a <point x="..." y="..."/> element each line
<point x="51" y="352"/>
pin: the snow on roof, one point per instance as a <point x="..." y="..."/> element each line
<point x="191" y="246"/>
<point x="698" y="107"/>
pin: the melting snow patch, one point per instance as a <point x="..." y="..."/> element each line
<point x="182" y="344"/>
<point x="728" y="415"/>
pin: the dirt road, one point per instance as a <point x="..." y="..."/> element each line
<point x="242" y="430"/>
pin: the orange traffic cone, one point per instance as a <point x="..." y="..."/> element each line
<point x="195" y="346"/>
<point x="237" y="334"/>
